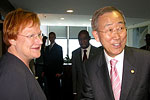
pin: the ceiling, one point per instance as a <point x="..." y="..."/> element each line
<point x="50" y="11"/>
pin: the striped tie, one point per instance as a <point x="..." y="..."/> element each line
<point x="115" y="81"/>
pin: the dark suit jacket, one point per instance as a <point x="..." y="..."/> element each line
<point x="145" y="47"/>
<point x="77" y="69"/>
<point x="16" y="80"/>
<point x="135" y="80"/>
<point x="53" y="59"/>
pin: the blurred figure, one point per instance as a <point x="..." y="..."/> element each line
<point x="39" y="64"/>
<point x="22" y="35"/>
<point x="84" y="52"/>
<point x="53" y="61"/>
<point x="147" y="46"/>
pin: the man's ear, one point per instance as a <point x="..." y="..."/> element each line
<point x="95" y="34"/>
<point x="12" y="42"/>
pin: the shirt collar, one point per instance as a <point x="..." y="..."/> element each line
<point x="88" y="48"/>
<point x="118" y="57"/>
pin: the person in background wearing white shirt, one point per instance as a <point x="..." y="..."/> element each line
<point x="80" y="55"/>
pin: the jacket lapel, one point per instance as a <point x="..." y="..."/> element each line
<point x="80" y="55"/>
<point x="104" y="79"/>
<point x="52" y="47"/>
<point x="128" y="73"/>
<point x="91" y="53"/>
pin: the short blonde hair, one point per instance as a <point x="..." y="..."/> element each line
<point x="100" y="12"/>
<point x="15" y="21"/>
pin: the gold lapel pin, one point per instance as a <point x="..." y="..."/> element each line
<point x="132" y="71"/>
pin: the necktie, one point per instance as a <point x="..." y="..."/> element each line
<point x="84" y="55"/>
<point x="115" y="81"/>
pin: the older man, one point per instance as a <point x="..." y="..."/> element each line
<point x="117" y="72"/>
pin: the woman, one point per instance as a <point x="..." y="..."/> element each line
<point x="23" y="38"/>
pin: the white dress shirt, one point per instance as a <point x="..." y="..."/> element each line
<point x="52" y="44"/>
<point x="119" y="64"/>
<point x="87" y="53"/>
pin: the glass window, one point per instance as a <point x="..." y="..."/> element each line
<point x="74" y="31"/>
<point x="63" y="44"/>
<point x="73" y="44"/>
<point x="44" y="30"/>
<point x="95" y="43"/>
<point x="90" y="32"/>
<point x="61" y="31"/>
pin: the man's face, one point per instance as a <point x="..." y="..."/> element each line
<point x="52" y="38"/>
<point x="84" y="40"/>
<point x="111" y="33"/>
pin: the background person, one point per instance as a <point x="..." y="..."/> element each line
<point x="53" y="61"/>
<point x="22" y="35"/>
<point x="78" y="58"/>
<point x="147" y="39"/>
<point x="117" y="72"/>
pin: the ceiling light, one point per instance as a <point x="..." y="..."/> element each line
<point x="70" y="11"/>
<point x="62" y="18"/>
<point x="90" y="19"/>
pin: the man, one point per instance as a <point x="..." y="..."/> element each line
<point x="53" y="67"/>
<point x="78" y="57"/>
<point x="126" y="79"/>
<point x="147" y="46"/>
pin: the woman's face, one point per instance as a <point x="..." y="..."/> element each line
<point x="28" y="42"/>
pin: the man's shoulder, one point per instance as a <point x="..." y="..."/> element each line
<point x="96" y="49"/>
<point x="133" y="49"/>
<point x="93" y="47"/>
<point x="143" y="47"/>
<point x="98" y="53"/>
<point x="76" y="50"/>
<point x="137" y="52"/>
<point x="58" y="45"/>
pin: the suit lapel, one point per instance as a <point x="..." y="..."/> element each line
<point x="104" y="79"/>
<point x="91" y="53"/>
<point x="128" y="73"/>
<point x="51" y="48"/>
<point x="80" y="56"/>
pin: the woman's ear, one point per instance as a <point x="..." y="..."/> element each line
<point x="12" y="42"/>
<point x="95" y="34"/>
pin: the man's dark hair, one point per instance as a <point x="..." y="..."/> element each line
<point x="52" y="33"/>
<point x="83" y="32"/>
<point x="100" y="12"/>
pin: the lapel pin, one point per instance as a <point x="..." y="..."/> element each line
<point x="132" y="71"/>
